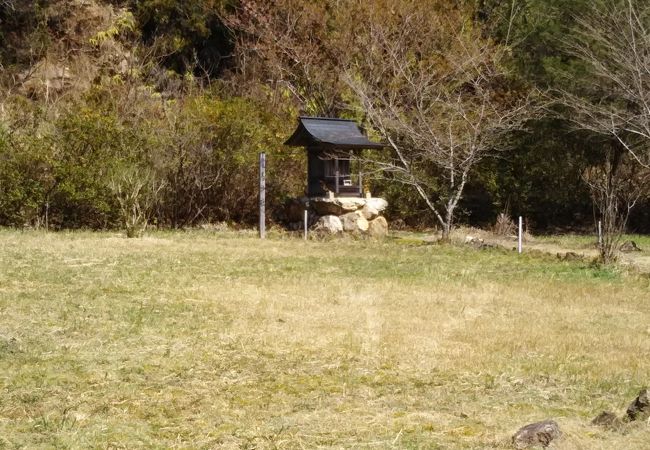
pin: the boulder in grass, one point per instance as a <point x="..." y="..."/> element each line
<point x="378" y="228"/>
<point x="471" y="240"/>
<point x="363" y="224"/>
<point x="536" y="434"/>
<point x="639" y="409"/>
<point x="607" y="420"/>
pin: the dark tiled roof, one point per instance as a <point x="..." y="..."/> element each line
<point x="339" y="133"/>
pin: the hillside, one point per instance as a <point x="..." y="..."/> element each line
<point x="97" y="103"/>
<point x="185" y="94"/>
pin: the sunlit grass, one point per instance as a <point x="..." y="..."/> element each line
<point x="219" y="340"/>
<point x="581" y="241"/>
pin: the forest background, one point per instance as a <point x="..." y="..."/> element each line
<point x="162" y="106"/>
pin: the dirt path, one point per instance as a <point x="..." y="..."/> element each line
<point x="638" y="259"/>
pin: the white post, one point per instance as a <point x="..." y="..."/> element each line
<point x="521" y="234"/>
<point x="262" y="195"/>
<point x="600" y="234"/>
<point x="305" y="222"/>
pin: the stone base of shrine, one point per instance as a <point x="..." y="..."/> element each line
<point x="338" y="215"/>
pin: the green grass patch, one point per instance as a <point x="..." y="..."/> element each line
<point x="204" y="340"/>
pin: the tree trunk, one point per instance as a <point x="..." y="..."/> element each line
<point x="448" y="223"/>
<point x="446" y="233"/>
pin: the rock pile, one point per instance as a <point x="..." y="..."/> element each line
<point x="360" y="216"/>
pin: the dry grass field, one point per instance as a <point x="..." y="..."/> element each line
<point x="217" y="340"/>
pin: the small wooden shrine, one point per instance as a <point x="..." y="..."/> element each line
<point x="331" y="144"/>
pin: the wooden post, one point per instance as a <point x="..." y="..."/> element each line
<point x="360" y="180"/>
<point x="521" y="235"/>
<point x="262" y="195"/>
<point x="336" y="173"/>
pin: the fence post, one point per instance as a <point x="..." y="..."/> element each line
<point x="360" y="182"/>
<point x="600" y="234"/>
<point x="305" y="222"/>
<point x="262" y="195"/>
<point x="336" y="169"/>
<point x="520" y="248"/>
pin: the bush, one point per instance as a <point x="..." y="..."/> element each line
<point x="25" y="180"/>
<point x="88" y="145"/>
<point x="504" y="225"/>
<point x="210" y="161"/>
<point x="136" y="191"/>
<point x="77" y="169"/>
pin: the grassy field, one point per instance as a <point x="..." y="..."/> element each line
<point x="218" y="340"/>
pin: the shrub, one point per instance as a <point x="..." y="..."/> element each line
<point x="136" y="191"/>
<point x="209" y="157"/>
<point x="25" y="180"/>
<point x="109" y="151"/>
<point x="504" y="225"/>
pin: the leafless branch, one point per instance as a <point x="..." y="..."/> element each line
<point x="438" y="98"/>
<point x="614" y="43"/>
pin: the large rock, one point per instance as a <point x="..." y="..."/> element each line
<point x="369" y="212"/>
<point x="363" y="224"/>
<point x="45" y="78"/>
<point x="336" y="206"/>
<point x="639" y="409"/>
<point x="607" y="420"/>
<point x="376" y="203"/>
<point x="329" y="224"/>
<point x="536" y="434"/>
<point x="378" y="227"/>
<point x="354" y="222"/>
<point x="349" y="221"/>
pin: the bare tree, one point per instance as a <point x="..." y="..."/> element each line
<point x="613" y="41"/>
<point x="615" y="187"/>
<point x="289" y="44"/>
<point x="438" y="94"/>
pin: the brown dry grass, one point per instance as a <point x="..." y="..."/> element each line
<point x="583" y="245"/>
<point x="218" y="340"/>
